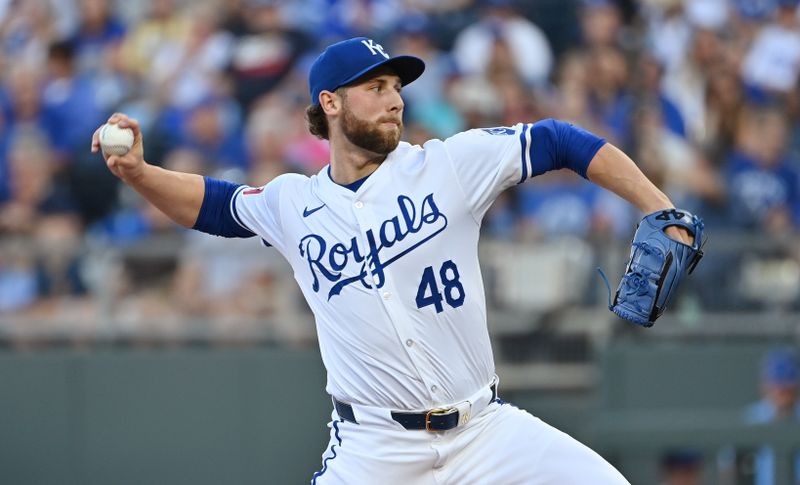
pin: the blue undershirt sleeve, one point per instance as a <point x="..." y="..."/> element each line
<point x="557" y="144"/>
<point x="216" y="214"/>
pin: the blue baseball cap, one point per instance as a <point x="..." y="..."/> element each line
<point x="781" y="367"/>
<point x="682" y="459"/>
<point x="344" y="62"/>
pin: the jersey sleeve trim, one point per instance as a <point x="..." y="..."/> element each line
<point x="234" y="211"/>
<point x="215" y="216"/>
<point x="526" y="157"/>
<point x="279" y="218"/>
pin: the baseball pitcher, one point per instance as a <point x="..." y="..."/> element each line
<point x="384" y="245"/>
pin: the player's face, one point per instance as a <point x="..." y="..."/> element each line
<point x="784" y="397"/>
<point x="372" y="113"/>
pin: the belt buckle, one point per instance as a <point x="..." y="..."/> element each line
<point x="437" y="412"/>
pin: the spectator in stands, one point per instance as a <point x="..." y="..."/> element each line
<point x="686" y="83"/>
<point x="571" y="94"/>
<point x="187" y="69"/>
<point x="448" y="17"/>
<point x="477" y="101"/>
<point x="780" y="388"/>
<point x="264" y="52"/>
<point x="601" y="23"/>
<point x="593" y="92"/>
<point x="427" y="102"/>
<point x="278" y="141"/>
<point x="99" y="30"/>
<point x="57" y="237"/>
<point x="503" y="32"/>
<point x="610" y="100"/>
<point x="773" y="62"/>
<point x="22" y="102"/>
<point x="164" y="25"/>
<point x="668" y="33"/>
<point x="756" y="12"/>
<point x="67" y="92"/>
<point x="763" y="186"/>
<point x="725" y="100"/>
<point x="353" y="18"/>
<point x="214" y="128"/>
<point x="519" y="103"/>
<point x="682" y="467"/>
<point x="41" y="210"/>
<point x="267" y="136"/>
<point x="27" y="178"/>
<point x="18" y="279"/>
<point x="647" y="87"/>
<point x="26" y="29"/>
<point x="32" y="187"/>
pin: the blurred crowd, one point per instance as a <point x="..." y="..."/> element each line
<point x="702" y="94"/>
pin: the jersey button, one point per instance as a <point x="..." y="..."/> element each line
<point x="386" y="295"/>
<point x="359" y="204"/>
<point x="434" y="388"/>
<point x="409" y="343"/>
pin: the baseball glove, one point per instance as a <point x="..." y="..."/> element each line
<point x="657" y="265"/>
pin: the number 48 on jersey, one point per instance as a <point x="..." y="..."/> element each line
<point x="452" y="291"/>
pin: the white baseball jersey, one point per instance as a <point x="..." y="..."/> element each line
<point x="391" y="270"/>
<point x="391" y="273"/>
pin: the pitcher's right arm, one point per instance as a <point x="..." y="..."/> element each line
<point x="190" y="200"/>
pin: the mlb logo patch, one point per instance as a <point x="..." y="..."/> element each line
<point x="500" y="130"/>
<point x="255" y="191"/>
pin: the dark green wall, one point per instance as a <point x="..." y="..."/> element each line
<point x="171" y="417"/>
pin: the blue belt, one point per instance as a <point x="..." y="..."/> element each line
<point x="439" y="419"/>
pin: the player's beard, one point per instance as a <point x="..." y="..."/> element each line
<point x="370" y="136"/>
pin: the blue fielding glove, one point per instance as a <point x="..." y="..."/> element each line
<point x="657" y="265"/>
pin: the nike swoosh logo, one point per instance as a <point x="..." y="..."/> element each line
<point x="307" y="212"/>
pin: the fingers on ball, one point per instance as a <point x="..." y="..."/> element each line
<point x="122" y="120"/>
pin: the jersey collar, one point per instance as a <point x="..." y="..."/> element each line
<point x="332" y="187"/>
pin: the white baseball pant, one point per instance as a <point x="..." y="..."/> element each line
<point x="500" y="445"/>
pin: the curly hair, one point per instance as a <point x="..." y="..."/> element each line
<point x="316" y="118"/>
<point x="317" y="121"/>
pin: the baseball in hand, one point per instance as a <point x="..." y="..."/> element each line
<point x="115" y="140"/>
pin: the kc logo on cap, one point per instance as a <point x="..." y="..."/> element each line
<point x="346" y="61"/>
<point x="374" y="48"/>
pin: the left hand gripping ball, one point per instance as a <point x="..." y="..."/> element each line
<point x="115" y="140"/>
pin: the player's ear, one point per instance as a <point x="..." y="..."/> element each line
<point x="331" y="102"/>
